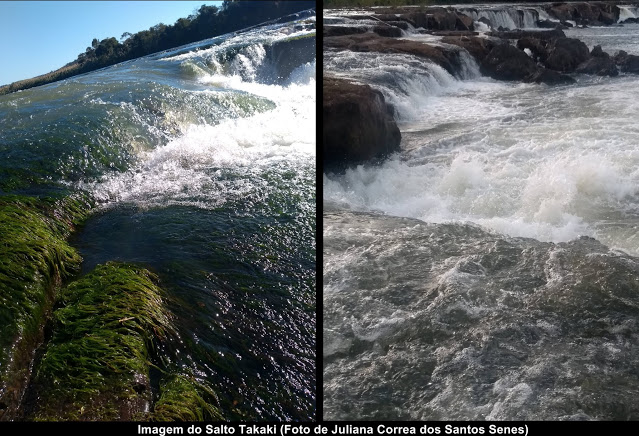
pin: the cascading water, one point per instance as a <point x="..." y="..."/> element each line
<point x="489" y="270"/>
<point x="202" y="159"/>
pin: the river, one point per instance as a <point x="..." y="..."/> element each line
<point x="202" y="163"/>
<point x="488" y="270"/>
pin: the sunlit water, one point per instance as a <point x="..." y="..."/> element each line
<point x="450" y="314"/>
<point x="202" y="160"/>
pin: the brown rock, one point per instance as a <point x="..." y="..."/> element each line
<point x="357" y="125"/>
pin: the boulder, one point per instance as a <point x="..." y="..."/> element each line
<point x="565" y="54"/>
<point x="401" y="24"/>
<point x="507" y="62"/>
<point x="598" y="65"/>
<point x="598" y="52"/>
<point x="358" y="125"/>
<point x="538" y="47"/>
<point x="627" y="63"/>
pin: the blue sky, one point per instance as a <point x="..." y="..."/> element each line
<point x="41" y="36"/>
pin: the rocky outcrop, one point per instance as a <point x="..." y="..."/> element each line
<point x="438" y="19"/>
<point x="358" y="125"/>
<point x="507" y="62"/>
<point x="373" y="43"/>
<point x="329" y="31"/>
<point x="544" y="35"/>
<point x="585" y="13"/>
<point x="503" y="61"/>
<point x="388" y="31"/>
<point x="627" y="63"/>
<point x="476" y="46"/>
<point x="565" y="54"/>
<point x="600" y="64"/>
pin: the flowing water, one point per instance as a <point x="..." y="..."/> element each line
<point x="489" y="270"/>
<point x="202" y="160"/>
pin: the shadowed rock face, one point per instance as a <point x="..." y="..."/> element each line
<point x="565" y="54"/>
<point x="358" y="125"/>
<point x="627" y="63"/>
<point x="507" y="62"/>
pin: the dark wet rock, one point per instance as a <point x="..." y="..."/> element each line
<point x="290" y="53"/>
<point x="548" y="24"/>
<point x="358" y="125"/>
<point x="464" y="22"/>
<point x="329" y="31"/>
<point x="401" y="24"/>
<point x="565" y="54"/>
<point x="607" y="18"/>
<point x="585" y="13"/>
<point x="476" y="46"/>
<point x="507" y="62"/>
<point x="438" y="19"/>
<point x="550" y="77"/>
<point x="627" y="63"/>
<point x="388" y="31"/>
<point x="538" y="34"/>
<point x="598" y="65"/>
<point x="486" y="21"/>
<point x="598" y="52"/>
<point x="538" y="47"/>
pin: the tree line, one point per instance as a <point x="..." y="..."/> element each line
<point x="207" y="22"/>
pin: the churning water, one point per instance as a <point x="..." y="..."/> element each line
<point x="487" y="271"/>
<point x="203" y="162"/>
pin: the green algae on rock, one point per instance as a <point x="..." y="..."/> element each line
<point x="96" y="366"/>
<point x="34" y="259"/>
<point x="182" y="398"/>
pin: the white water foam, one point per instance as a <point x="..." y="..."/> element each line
<point x="191" y="167"/>
<point x="504" y="158"/>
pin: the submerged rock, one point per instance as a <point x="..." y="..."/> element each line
<point x="35" y="259"/>
<point x="96" y="365"/>
<point x="358" y="125"/>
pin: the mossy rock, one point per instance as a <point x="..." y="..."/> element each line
<point x="183" y="398"/>
<point x="96" y="366"/>
<point x="34" y="259"/>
